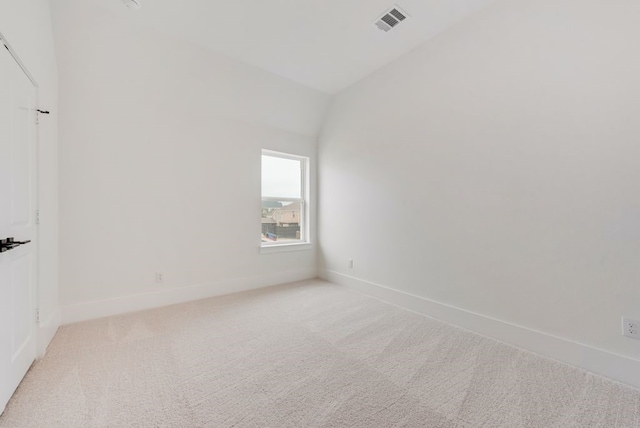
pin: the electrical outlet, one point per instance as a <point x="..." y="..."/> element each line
<point x="350" y="263"/>
<point x="159" y="277"/>
<point x="631" y="328"/>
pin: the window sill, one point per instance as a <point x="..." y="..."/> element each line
<point x="281" y="248"/>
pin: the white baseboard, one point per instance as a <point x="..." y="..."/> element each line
<point x="605" y="363"/>
<point x="46" y="330"/>
<point x="119" y="305"/>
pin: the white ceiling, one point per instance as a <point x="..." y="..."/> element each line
<point x="324" y="44"/>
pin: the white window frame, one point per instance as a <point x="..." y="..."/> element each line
<point x="305" y="242"/>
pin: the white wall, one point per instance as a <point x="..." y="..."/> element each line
<point x="160" y="145"/>
<point x="496" y="169"/>
<point x="26" y="24"/>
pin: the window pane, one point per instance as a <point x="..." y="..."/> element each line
<point x="281" y="221"/>
<point x="281" y="178"/>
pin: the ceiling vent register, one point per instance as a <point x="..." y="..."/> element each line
<point x="391" y="18"/>
<point x="132" y="4"/>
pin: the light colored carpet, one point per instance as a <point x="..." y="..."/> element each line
<point x="310" y="354"/>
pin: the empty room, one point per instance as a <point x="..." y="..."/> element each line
<point x="320" y="213"/>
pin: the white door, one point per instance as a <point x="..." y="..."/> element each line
<point x="17" y="212"/>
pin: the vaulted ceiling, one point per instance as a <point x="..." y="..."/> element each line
<point x="324" y="44"/>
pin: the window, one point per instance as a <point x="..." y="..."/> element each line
<point x="284" y="199"/>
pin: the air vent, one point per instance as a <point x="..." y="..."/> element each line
<point x="132" y="4"/>
<point x="391" y="18"/>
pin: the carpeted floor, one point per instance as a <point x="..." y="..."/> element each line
<point x="310" y="354"/>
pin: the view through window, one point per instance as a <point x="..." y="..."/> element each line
<point x="283" y="198"/>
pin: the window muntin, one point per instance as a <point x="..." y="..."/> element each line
<point x="284" y="213"/>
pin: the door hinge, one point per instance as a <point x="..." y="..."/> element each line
<point x="38" y="315"/>
<point x="37" y="216"/>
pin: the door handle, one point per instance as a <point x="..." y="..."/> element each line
<point x="10" y="243"/>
